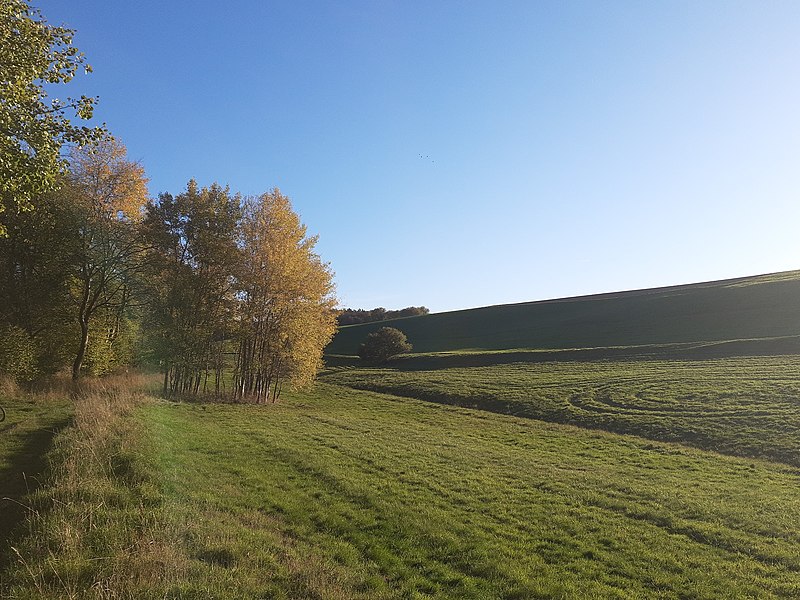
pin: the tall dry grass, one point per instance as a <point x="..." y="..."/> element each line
<point x="95" y="529"/>
<point x="8" y="387"/>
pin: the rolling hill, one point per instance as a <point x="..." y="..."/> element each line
<point x="747" y="308"/>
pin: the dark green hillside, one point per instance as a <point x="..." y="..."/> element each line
<point x="746" y="308"/>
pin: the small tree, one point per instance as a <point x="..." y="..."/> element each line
<point x="383" y="344"/>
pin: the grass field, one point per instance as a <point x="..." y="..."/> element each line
<point x="764" y="306"/>
<point x="338" y="493"/>
<point x="746" y="406"/>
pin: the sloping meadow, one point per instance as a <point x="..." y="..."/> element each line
<point x="336" y="493"/>
<point x="748" y="308"/>
<point x="743" y="406"/>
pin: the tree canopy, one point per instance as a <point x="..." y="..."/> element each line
<point x="67" y="268"/>
<point x="192" y="273"/>
<point x="225" y="294"/>
<point x="383" y="344"/>
<point x="106" y="193"/>
<point x="34" y="128"/>
<point x="235" y="287"/>
<point x="287" y="300"/>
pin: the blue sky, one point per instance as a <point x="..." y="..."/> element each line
<point x="460" y="154"/>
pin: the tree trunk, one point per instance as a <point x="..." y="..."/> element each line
<point x="84" y="343"/>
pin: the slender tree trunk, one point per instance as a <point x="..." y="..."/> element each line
<point x="277" y="379"/>
<point x="83" y="321"/>
<point x="84" y="343"/>
<point x="275" y="390"/>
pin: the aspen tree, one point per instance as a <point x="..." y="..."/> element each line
<point x="287" y="312"/>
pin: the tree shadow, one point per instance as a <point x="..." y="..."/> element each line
<point x="22" y="475"/>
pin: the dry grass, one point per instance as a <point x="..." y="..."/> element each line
<point x="95" y="528"/>
<point x="62" y="385"/>
<point x="8" y="387"/>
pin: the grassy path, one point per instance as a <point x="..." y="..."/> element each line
<point x="25" y="437"/>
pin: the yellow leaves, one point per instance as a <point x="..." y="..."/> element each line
<point x="249" y="280"/>
<point x="288" y="286"/>
<point x="107" y="183"/>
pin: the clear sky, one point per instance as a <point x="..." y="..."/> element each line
<point x="459" y="154"/>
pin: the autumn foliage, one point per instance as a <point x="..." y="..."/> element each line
<point x="224" y="294"/>
<point x="241" y="303"/>
<point x="286" y="301"/>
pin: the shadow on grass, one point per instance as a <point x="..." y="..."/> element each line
<point x="23" y="474"/>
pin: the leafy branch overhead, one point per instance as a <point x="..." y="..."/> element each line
<point x="34" y="128"/>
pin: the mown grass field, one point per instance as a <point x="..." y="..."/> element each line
<point x="764" y="306"/>
<point x="336" y="493"/>
<point x="745" y="406"/>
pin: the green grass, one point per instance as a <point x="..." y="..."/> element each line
<point x="25" y="437"/>
<point x="91" y="518"/>
<point x="342" y="492"/>
<point x="337" y="493"/>
<point x="746" y="406"/>
<point x="766" y="306"/>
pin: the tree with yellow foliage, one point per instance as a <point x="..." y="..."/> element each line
<point x="287" y="303"/>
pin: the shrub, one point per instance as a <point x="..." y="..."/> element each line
<point x="383" y="344"/>
<point x="17" y="354"/>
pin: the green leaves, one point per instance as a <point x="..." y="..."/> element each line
<point x="33" y="128"/>
<point x="383" y="344"/>
<point x="235" y="281"/>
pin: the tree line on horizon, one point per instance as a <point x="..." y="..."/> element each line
<point x="356" y="316"/>
<point x="225" y="294"/>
